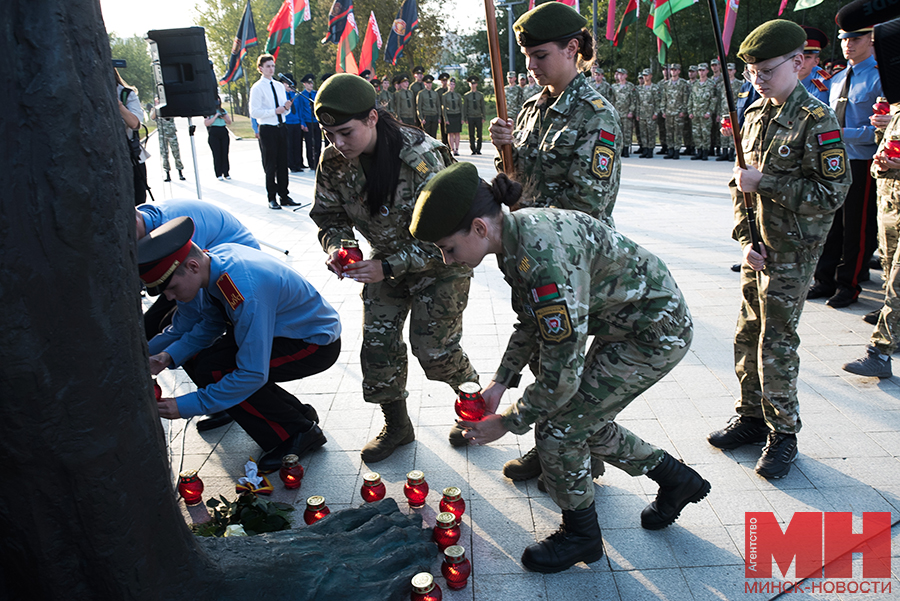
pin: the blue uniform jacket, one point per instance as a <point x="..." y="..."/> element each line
<point x="293" y="117"/>
<point x="305" y="106"/>
<point x="865" y="88"/>
<point x="263" y="298"/>
<point x="813" y="90"/>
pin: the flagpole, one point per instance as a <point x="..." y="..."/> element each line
<point x="635" y="45"/>
<point x="231" y="104"/>
<point x="675" y="37"/>
<point x="594" y="10"/>
<point x="246" y="83"/>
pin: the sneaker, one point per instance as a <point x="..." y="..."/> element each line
<point x="873" y="365"/>
<point x="740" y="430"/>
<point x="778" y="454"/>
<point x="221" y="178"/>
<point x="228" y="177"/>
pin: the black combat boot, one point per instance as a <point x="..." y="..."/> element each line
<point x="578" y="539"/>
<point x="397" y="431"/>
<point x="678" y="486"/>
<point x="670" y="154"/>
<point x="181" y="175"/>
<point x="625" y="151"/>
<point x="704" y="154"/>
<point x="168" y="177"/>
<point x="724" y="156"/>
<point x="698" y="156"/>
<point x="676" y="154"/>
<point x="663" y="149"/>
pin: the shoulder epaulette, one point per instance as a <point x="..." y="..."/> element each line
<point x="823" y="74"/>
<point x="820" y="85"/>
<point x="818" y="112"/>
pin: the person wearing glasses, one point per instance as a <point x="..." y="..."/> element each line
<point x="797" y="175"/>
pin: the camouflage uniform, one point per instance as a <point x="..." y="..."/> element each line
<point x="703" y="96"/>
<point x="728" y="141"/>
<point x="625" y="103"/>
<point x="884" y="338"/>
<point x="405" y="107"/>
<point x="530" y="90"/>
<point x="805" y="180"/>
<point x="662" y="86"/>
<point x="715" y="139"/>
<point x="677" y="95"/>
<point x="433" y="293"/>
<point x="514" y="100"/>
<point x="604" y="88"/>
<point x="168" y="139"/>
<point x="648" y="101"/>
<point x="569" y="157"/>
<point x="428" y="105"/>
<point x="564" y="291"/>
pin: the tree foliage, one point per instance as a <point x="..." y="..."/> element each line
<point x="138" y="73"/>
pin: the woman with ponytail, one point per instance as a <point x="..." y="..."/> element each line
<point x="367" y="180"/>
<point x="571" y="277"/>
<point x="567" y="142"/>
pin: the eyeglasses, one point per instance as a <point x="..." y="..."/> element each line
<point x="764" y="74"/>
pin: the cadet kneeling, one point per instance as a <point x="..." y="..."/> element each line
<point x="571" y="277"/>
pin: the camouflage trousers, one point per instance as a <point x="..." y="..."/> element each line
<point x="700" y="126"/>
<point x="648" y="130"/>
<point x="674" y="130"/>
<point x="715" y="140"/>
<point x="615" y="373"/>
<point x="884" y="338"/>
<point x="167" y="140"/>
<point x="688" y="132"/>
<point x="435" y="311"/>
<point x="627" y="127"/>
<point x="766" y="358"/>
<point x="661" y="125"/>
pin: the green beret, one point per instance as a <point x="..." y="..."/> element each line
<point x="771" y="39"/>
<point x="548" y="22"/>
<point x="343" y="96"/>
<point x="444" y="201"/>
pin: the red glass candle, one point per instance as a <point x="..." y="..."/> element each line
<point x="415" y="489"/>
<point x="470" y="404"/>
<point x="446" y="532"/>
<point x="291" y="471"/>
<point x="349" y="253"/>
<point x="425" y="588"/>
<point x="456" y="569"/>
<point x="372" y="488"/>
<point x="892" y="147"/>
<point x="315" y="510"/>
<point x="190" y="487"/>
<point x="881" y="106"/>
<point x="157" y="391"/>
<point x="726" y="121"/>
<point x="453" y="502"/>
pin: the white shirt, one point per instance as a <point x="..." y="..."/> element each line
<point x="262" y="104"/>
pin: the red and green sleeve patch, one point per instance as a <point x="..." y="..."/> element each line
<point x="607" y="138"/>
<point x="545" y="293"/>
<point x="829" y="137"/>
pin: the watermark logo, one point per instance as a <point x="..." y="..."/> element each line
<point x="818" y="545"/>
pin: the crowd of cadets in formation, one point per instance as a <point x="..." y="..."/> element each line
<point x="705" y="95"/>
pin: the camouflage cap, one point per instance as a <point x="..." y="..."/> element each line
<point x="547" y="22"/>
<point x="675" y="66"/>
<point x="621" y="70"/>
<point x="523" y="76"/>
<point x="692" y="68"/>
<point x="771" y="39"/>
<point x="714" y="61"/>
<point x="444" y="201"/>
<point x="510" y="74"/>
<point x="342" y="97"/>
<point x="645" y="72"/>
<point x="730" y="66"/>
<point x="703" y="66"/>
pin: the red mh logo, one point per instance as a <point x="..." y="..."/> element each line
<point x="821" y="543"/>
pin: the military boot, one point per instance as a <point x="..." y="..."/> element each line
<point x="456" y="436"/>
<point x="704" y="154"/>
<point x="724" y="156"/>
<point x="663" y="150"/>
<point x="697" y="157"/>
<point x="181" y="175"/>
<point x="676" y="154"/>
<point x="526" y="467"/>
<point x="625" y="150"/>
<point x="678" y="486"/>
<point x="168" y="177"/>
<point x="578" y="539"/>
<point x="670" y="154"/>
<point x="397" y="431"/>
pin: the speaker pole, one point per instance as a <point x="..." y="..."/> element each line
<point x="191" y="128"/>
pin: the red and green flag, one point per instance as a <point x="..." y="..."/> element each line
<point x="368" y="54"/>
<point x="611" y="21"/>
<point x="281" y="28"/>
<point x="731" y="9"/>
<point x="345" y="63"/>
<point x="632" y="14"/>
<point x="245" y="37"/>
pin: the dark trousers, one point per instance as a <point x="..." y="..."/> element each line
<point x="430" y="125"/>
<point x="475" y="135"/>
<point x="219" y="143"/>
<point x="159" y="315"/>
<point x="295" y="146"/>
<point x="313" y="138"/>
<point x="853" y="236"/>
<point x="270" y="415"/>
<point x="273" y="143"/>
<point x="140" y="183"/>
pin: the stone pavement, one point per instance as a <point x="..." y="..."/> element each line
<point x="849" y="448"/>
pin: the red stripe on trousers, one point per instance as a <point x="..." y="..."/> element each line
<point x="862" y="226"/>
<point x="279" y="361"/>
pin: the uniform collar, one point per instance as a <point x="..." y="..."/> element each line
<point x="568" y="100"/>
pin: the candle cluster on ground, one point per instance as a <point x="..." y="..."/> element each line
<point x="416" y="489"/>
